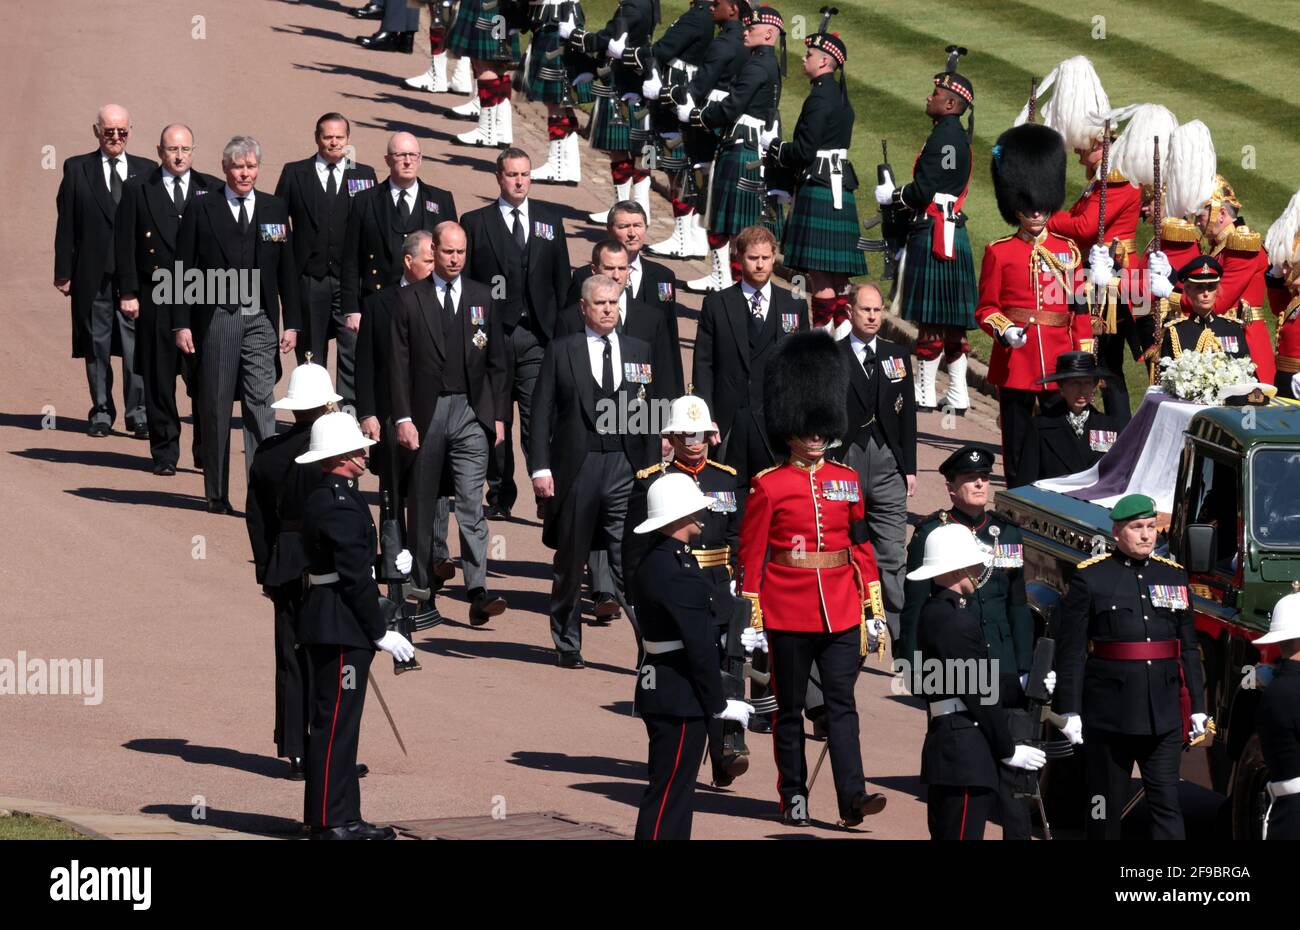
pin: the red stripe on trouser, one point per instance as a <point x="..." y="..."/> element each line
<point x="620" y="170"/>
<point x="338" y="699"/>
<point x="681" y="208"/>
<point x="437" y="39"/>
<point x="718" y="240"/>
<point x="680" y="741"/>
<point x="965" y="801"/>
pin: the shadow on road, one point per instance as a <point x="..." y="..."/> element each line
<point x="242" y="821"/>
<point x="331" y="5"/>
<point x="210" y="755"/>
<point x="311" y="32"/>
<point x="382" y="77"/>
<point x="604" y="766"/>
<point x="905" y="784"/>
<point x="37" y="421"/>
<point x="98" y="458"/>
<point x="515" y="652"/>
<point x="148" y="498"/>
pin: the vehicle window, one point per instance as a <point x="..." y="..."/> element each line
<point x="1215" y="501"/>
<point x="1275" y="497"/>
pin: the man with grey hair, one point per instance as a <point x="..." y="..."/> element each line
<point x="591" y="433"/>
<point x="84" y="262"/>
<point x="239" y="243"/>
<point x="148" y="221"/>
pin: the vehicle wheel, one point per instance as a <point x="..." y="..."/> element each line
<point x="1249" y="797"/>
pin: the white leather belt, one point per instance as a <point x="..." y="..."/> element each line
<point x="689" y="69"/>
<point x="328" y="578"/>
<point x="836" y="157"/>
<point x="654" y="648"/>
<point x="1283" y="789"/>
<point x="946" y="706"/>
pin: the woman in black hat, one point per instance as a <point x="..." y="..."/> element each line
<point x="1071" y="434"/>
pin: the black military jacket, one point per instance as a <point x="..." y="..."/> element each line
<point x="1196" y="334"/>
<point x="1052" y="447"/>
<point x="1278" y="722"/>
<point x="277" y="493"/>
<point x="1113" y="598"/>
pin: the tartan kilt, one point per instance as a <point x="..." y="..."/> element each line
<point x="468" y="38"/>
<point x="604" y="137"/>
<point x="732" y="208"/>
<point x="940" y="293"/>
<point x="820" y="238"/>
<point x="545" y="89"/>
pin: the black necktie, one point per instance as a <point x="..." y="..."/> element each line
<point x="517" y="229"/>
<point x="178" y="196"/>
<point x="607" y="368"/>
<point x="868" y="360"/>
<point x="243" y="216"/>
<point x="332" y="185"/>
<point x="114" y="180"/>
<point x="450" y="303"/>
<point x="403" y="211"/>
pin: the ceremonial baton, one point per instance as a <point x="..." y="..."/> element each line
<point x="387" y="713"/>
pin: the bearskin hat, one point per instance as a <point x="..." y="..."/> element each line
<point x="805" y="389"/>
<point x="1028" y="171"/>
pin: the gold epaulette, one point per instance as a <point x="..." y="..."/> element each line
<point x="727" y="468"/>
<point x="1115" y="177"/>
<point x="1003" y="239"/>
<point x="764" y="472"/>
<point x="1175" y="344"/>
<point x="1244" y="239"/>
<point x="1174" y="229"/>
<point x="1093" y="561"/>
<point x="647" y="472"/>
<point x="1161" y="558"/>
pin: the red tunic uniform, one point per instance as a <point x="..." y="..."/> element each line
<point x="1287" y="307"/>
<point x="795" y="508"/>
<point x="1123" y="212"/>
<point x="1032" y="286"/>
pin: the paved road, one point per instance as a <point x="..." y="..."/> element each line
<point x="102" y="560"/>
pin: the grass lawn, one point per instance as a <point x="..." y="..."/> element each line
<point x="20" y="826"/>
<point x="1203" y="60"/>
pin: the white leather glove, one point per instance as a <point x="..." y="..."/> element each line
<point x="738" y="711"/>
<point x="566" y="28"/>
<point x="767" y="136"/>
<point x="1073" y="729"/>
<point x="1158" y="263"/>
<point x="615" y="47"/>
<point x="753" y="639"/>
<point x="780" y="196"/>
<point x="1050" y="682"/>
<point x="403" y="562"/>
<point x="684" y="111"/>
<point x="396" y="645"/>
<point x="1198" y="725"/>
<point x="875" y="629"/>
<point x="1026" y="757"/>
<point x="632" y="99"/>
<point x="1014" y="337"/>
<point x="585" y="77"/>
<point x="1295" y="385"/>
<point x="1160" y="286"/>
<point x="884" y="193"/>
<point x="1101" y="267"/>
<point x="650" y="89"/>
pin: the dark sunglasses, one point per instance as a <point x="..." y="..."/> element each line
<point x="110" y="133"/>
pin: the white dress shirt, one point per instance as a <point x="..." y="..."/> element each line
<point x="860" y="347"/>
<point x="121" y="168"/>
<point x="596" y="354"/>
<point x="507" y="209"/>
<point x="323" y="172"/>
<point x="409" y="193"/>
<point x="748" y="292"/>
<point x="634" y="276"/>
<point x="232" y="201"/>
<point x="170" y="181"/>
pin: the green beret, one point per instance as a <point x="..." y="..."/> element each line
<point x="1133" y="507"/>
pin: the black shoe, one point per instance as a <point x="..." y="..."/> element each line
<point x="362" y="770"/>
<point x="484" y="607"/>
<point x="369" y="11"/>
<point x="98" y="429"/>
<point x="388" y="41"/>
<point x="571" y="660"/>
<point x="495" y="512"/>
<point x="334" y="833"/>
<point x="863" y="805"/>
<point x="606" y="607"/>
<point x="139" y="431"/>
<point x="733" y="766"/>
<point x="426" y="615"/>
<point x="222" y="506"/>
<point x="760" y="723"/>
<point x="164" y="470"/>
<point x="368" y="831"/>
<point x="445" y="570"/>
<point x="297" y="769"/>
<point x="788" y="819"/>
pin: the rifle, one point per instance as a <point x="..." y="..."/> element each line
<point x="394" y="605"/>
<point x="893" y="218"/>
<point x="1040" y="711"/>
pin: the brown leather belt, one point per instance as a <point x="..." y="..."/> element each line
<point x="793" y="558"/>
<point x="1022" y="316"/>
<point x="1288" y="364"/>
<point x="711" y="558"/>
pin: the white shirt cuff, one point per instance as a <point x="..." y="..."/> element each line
<point x="401" y="421"/>
<point x="541" y="473"/>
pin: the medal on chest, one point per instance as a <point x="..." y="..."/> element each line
<point x="893" y="367"/>
<point x="1172" y="596"/>
<point x="723" y="501"/>
<point x="1229" y="343"/>
<point x="1100" y="440"/>
<point x="840" y="491"/>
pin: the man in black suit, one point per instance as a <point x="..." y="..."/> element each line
<point x="1071" y="434"/>
<point x="383" y="216"/>
<point x="319" y="191"/>
<point x="881" y="441"/>
<point x="84" y="262"/>
<point x="448" y="383"/>
<point x="517" y="247"/>
<point x="649" y="282"/>
<point x="740" y="328"/>
<point x="148" y="221"/>
<point x="237" y="242"/>
<point x="593" y="432"/>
